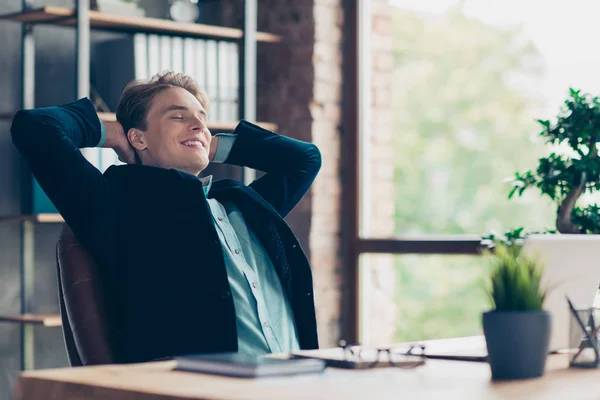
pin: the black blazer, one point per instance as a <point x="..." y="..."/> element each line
<point x="151" y="231"/>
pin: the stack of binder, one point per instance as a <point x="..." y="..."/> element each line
<point x="214" y="64"/>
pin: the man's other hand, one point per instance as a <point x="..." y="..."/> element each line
<point x="116" y="140"/>
<point x="214" y="143"/>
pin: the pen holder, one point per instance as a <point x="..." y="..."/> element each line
<point x="583" y="338"/>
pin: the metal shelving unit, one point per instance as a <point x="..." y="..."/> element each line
<point x="82" y="19"/>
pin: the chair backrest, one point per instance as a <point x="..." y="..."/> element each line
<point x="84" y="323"/>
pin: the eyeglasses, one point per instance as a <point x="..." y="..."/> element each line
<point x="357" y="356"/>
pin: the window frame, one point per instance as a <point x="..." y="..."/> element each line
<point x="356" y="119"/>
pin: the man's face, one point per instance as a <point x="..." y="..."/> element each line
<point x="176" y="135"/>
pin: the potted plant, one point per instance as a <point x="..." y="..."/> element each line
<point x="516" y="328"/>
<point x="565" y="177"/>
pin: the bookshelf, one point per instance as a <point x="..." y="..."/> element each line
<point x="82" y="20"/>
<point x="42" y="218"/>
<point x="48" y="320"/>
<point x="67" y="17"/>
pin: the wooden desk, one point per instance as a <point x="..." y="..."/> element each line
<point x="438" y="379"/>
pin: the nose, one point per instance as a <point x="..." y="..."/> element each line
<point x="198" y="125"/>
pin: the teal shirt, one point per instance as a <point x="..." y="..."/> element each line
<point x="264" y="318"/>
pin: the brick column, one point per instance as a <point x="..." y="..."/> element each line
<point x="326" y="114"/>
<point x="300" y="84"/>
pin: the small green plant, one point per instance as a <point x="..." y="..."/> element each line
<point x="515" y="279"/>
<point x="510" y="238"/>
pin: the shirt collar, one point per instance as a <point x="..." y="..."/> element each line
<point x="206" y="184"/>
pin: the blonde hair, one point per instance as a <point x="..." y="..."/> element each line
<point x="137" y="96"/>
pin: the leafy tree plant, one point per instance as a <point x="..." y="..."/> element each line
<point x="565" y="177"/>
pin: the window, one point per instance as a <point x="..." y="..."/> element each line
<point x="408" y="297"/>
<point x="448" y="96"/>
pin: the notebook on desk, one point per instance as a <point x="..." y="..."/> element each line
<point x="472" y="355"/>
<point x="247" y="366"/>
<point x="471" y="348"/>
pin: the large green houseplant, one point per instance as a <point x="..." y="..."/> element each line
<point x="516" y="328"/>
<point x="573" y="169"/>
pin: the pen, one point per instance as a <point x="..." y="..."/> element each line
<point x="582" y="326"/>
<point x="593" y="327"/>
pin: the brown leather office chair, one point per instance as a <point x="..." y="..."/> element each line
<point x="84" y="323"/>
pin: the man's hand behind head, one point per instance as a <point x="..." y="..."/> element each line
<point x="116" y="140"/>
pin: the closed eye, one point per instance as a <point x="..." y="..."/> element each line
<point x="177" y="117"/>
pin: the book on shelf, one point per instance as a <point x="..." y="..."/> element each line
<point x="228" y="81"/>
<point x="140" y="57"/>
<point x="200" y="58"/>
<point x="212" y="78"/>
<point x="223" y="79"/>
<point x="189" y="57"/>
<point x="153" y="54"/>
<point x="234" y="82"/>
<point x="166" y="56"/>
<point x="177" y="54"/>
<point x="246" y="366"/>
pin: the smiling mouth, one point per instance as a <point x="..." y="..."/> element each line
<point x="193" y="143"/>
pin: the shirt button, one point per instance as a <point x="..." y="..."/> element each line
<point x="254" y="285"/>
<point x="237" y="251"/>
<point x="220" y="218"/>
<point x="266" y="324"/>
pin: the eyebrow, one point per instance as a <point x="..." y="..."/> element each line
<point x="175" y="107"/>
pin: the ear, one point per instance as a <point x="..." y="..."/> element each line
<point x="137" y="138"/>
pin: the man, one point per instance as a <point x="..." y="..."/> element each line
<point x="188" y="265"/>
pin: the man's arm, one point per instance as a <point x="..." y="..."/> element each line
<point x="291" y="165"/>
<point x="49" y="140"/>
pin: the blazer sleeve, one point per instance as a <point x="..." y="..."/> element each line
<point x="49" y="140"/>
<point x="290" y="165"/>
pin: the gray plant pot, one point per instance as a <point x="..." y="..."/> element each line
<point x="517" y="343"/>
